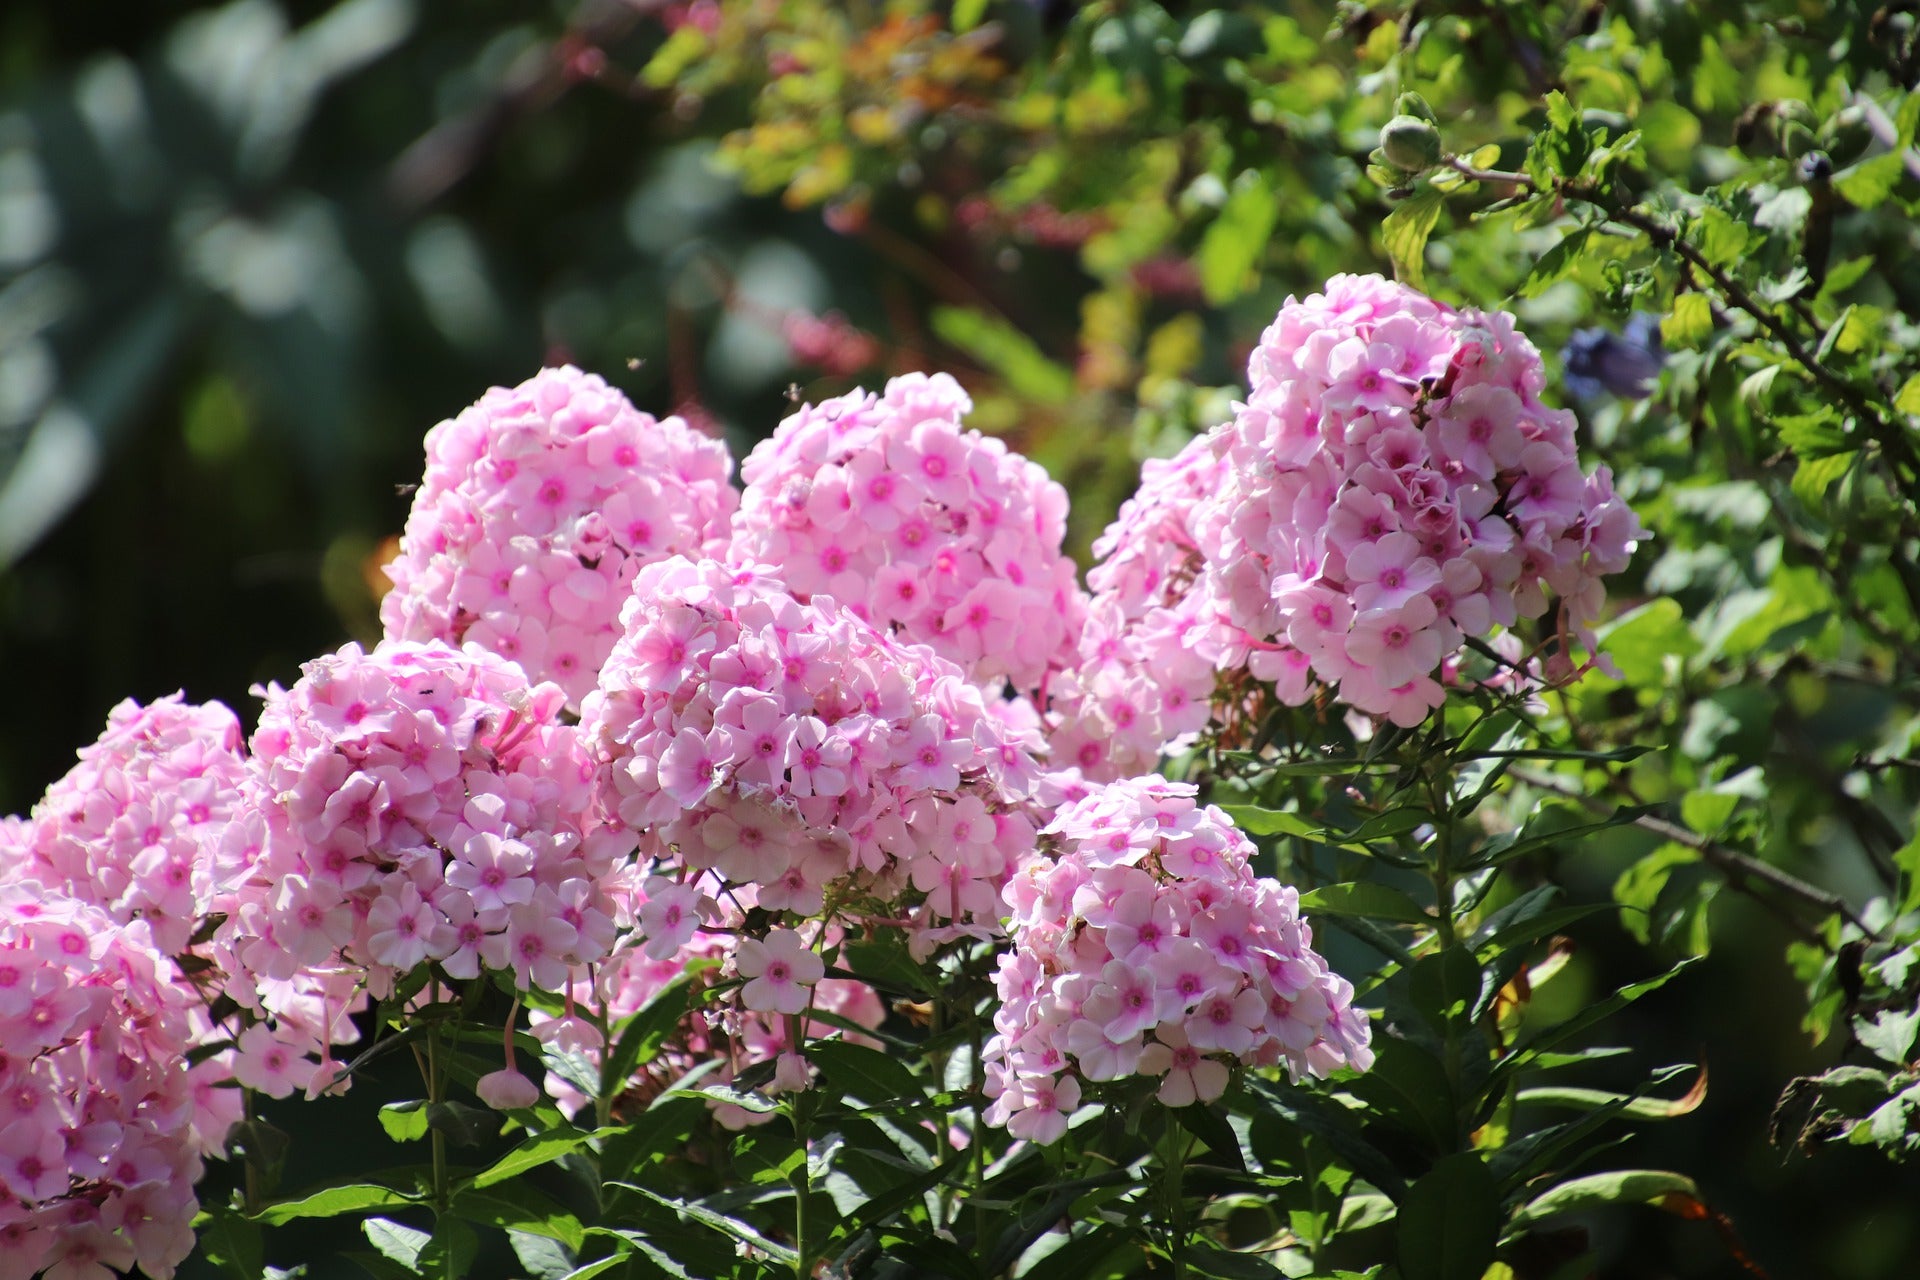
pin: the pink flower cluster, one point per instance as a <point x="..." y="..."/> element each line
<point x="1146" y="676"/>
<point x="538" y="506"/>
<point x="98" y="1152"/>
<point x="139" y="825"/>
<point x="423" y="803"/>
<point x="1396" y="485"/>
<point x="1392" y="486"/>
<point x="791" y="747"/>
<point x="938" y="533"/>
<point x="149" y="826"/>
<point x="1146" y="946"/>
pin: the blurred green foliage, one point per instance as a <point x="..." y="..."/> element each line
<point x="248" y="253"/>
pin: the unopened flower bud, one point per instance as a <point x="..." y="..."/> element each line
<point x="1410" y="144"/>
<point x="507" y="1091"/>
<point x="1412" y="104"/>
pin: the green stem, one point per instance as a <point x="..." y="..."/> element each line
<point x="253" y="1156"/>
<point x="1176" y="1157"/>
<point x="801" y="1179"/>
<point x="442" y="1198"/>
<point x="1442" y="865"/>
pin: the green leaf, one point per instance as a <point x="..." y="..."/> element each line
<point x="404" y="1121"/>
<point x="540" y="1149"/>
<point x="1394" y="822"/>
<point x="1871" y="181"/>
<point x="1237" y="241"/>
<point x="1689" y="323"/>
<point x="328" y="1202"/>
<point x="464" y="1125"/>
<point x="398" y="1243"/>
<point x="1449" y="1223"/>
<point x="452" y="1249"/>
<point x="897" y="1197"/>
<point x="1908" y="401"/>
<point x="1256" y="821"/>
<point x="1209" y="1259"/>
<point x="967" y="14"/>
<point x="1890" y="1035"/>
<point x="1640" y="885"/>
<point x="1555" y="263"/>
<point x="1643" y="641"/>
<point x="1531" y="1046"/>
<point x="1814" y="476"/>
<point x="543" y="1258"/>
<point x="634" y="1242"/>
<point x="1445" y="985"/>
<point x="519" y="1208"/>
<point x="1292" y="1111"/>
<point x="1409" y="1086"/>
<point x="865" y="1074"/>
<point x="1562" y="115"/>
<point x="229" y="1240"/>
<point x="1365" y="898"/>
<point x="1890" y="1125"/>
<point x="1405" y="232"/>
<point x="887" y="966"/>
<point x="1634" y="1106"/>
<point x="1623" y="1186"/>
<point x="641" y="1036"/>
<point x="1007" y="351"/>
<point x="732" y="1228"/>
<point x="758" y="1103"/>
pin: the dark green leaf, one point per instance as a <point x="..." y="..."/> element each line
<point x="540" y="1149"/>
<point x="1531" y="1046"/>
<point x="464" y="1125"/>
<point x="1449" y="1222"/>
<point x="1288" y="1107"/>
<point x="1623" y="1186"/>
<point x="518" y="1208"/>
<point x="1364" y="898"/>
<point x="641" y="1036"/>
<point x="230" y="1241"/>
<point x="1209" y="1259"/>
<point x="868" y="1075"/>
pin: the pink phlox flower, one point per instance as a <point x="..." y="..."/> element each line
<point x="496" y="872"/>
<point x="401" y="928"/>
<point x="671" y="913"/>
<point x="1190" y="1075"/>
<point x="270" y="1063"/>
<point x="693" y="764"/>
<point x="780" y="971"/>
<point x="1187" y="973"/>
<point x="817" y="759"/>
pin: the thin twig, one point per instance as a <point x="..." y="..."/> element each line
<point x="1739" y="866"/>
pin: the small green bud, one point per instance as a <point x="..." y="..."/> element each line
<point x="1846" y="134"/>
<point x="1412" y="104"/>
<point x="1796" y="140"/>
<point x="1410" y="144"/>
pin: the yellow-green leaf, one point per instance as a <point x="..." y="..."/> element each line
<point x="1690" y="321"/>
<point x="1404" y="236"/>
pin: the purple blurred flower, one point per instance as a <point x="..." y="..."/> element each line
<point x="1625" y="364"/>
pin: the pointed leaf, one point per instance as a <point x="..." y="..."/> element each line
<point x="1449" y="1223"/>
